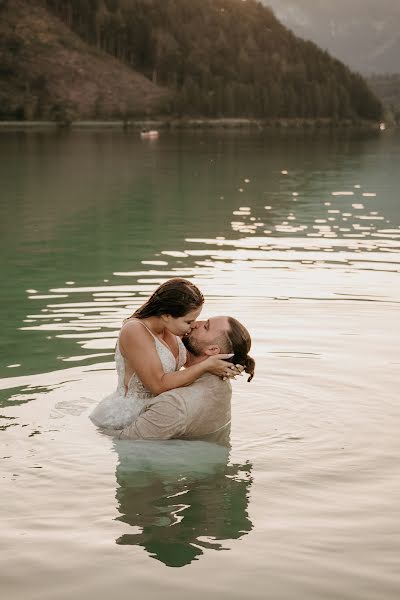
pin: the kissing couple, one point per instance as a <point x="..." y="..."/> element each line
<point x="173" y="370"/>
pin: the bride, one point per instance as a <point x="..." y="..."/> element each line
<point x="150" y="354"/>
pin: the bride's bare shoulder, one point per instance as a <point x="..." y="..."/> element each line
<point x="133" y="330"/>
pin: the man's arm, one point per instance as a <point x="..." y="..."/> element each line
<point x="164" y="418"/>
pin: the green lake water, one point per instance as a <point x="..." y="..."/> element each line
<point x="298" y="236"/>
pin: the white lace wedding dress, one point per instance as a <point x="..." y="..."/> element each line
<point x="122" y="407"/>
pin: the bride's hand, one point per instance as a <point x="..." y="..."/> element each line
<point x="218" y="366"/>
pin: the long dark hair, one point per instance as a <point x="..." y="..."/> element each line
<point x="240" y="344"/>
<point x="175" y="297"/>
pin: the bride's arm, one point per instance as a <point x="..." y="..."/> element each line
<point x="138" y="348"/>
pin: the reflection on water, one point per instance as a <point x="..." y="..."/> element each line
<point x="180" y="498"/>
<point x="298" y="237"/>
<point x="318" y="215"/>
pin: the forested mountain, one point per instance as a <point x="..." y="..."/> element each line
<point x="365" y="34"/>
<point x="48" y="72"/>
<point x="217" y="58"/>
<point x="387" y="88"/>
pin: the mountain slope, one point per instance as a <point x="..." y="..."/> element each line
<point x="223" y="58"/>
<point x="205" y="58"/>
<point x="47" y="71"/>
<point x="363" y="33"/>
<point x="387" y="87"/>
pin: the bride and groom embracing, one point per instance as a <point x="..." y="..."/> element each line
<point x="156" y="398"/>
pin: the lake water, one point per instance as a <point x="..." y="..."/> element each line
<point x="298" y="236"/>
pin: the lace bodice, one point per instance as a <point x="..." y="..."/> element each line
<point x="135" y="386"/>
<point x="120" y="408"/>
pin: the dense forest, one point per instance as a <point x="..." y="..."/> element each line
<point x="220" y="58"/>
<point x="387" y="88"/>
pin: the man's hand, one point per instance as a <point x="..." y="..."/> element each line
<point x="233" y="371"/>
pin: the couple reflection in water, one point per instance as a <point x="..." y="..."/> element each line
<point x="180" y="498"/>
<point x="180" y="495"/>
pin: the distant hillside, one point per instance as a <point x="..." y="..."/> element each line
<point x="387" y="88"/>
<point x="364" y="34"/>
<point x="206" y="58"/>
<point x="47" y="71"/>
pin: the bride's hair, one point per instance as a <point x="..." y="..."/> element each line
<point x="240" y="343"/>
<point x="175" y="297"/>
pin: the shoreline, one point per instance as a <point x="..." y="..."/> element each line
<point x="214" y="124"/>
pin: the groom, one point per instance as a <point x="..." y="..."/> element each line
<point x="202" y="409"/>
